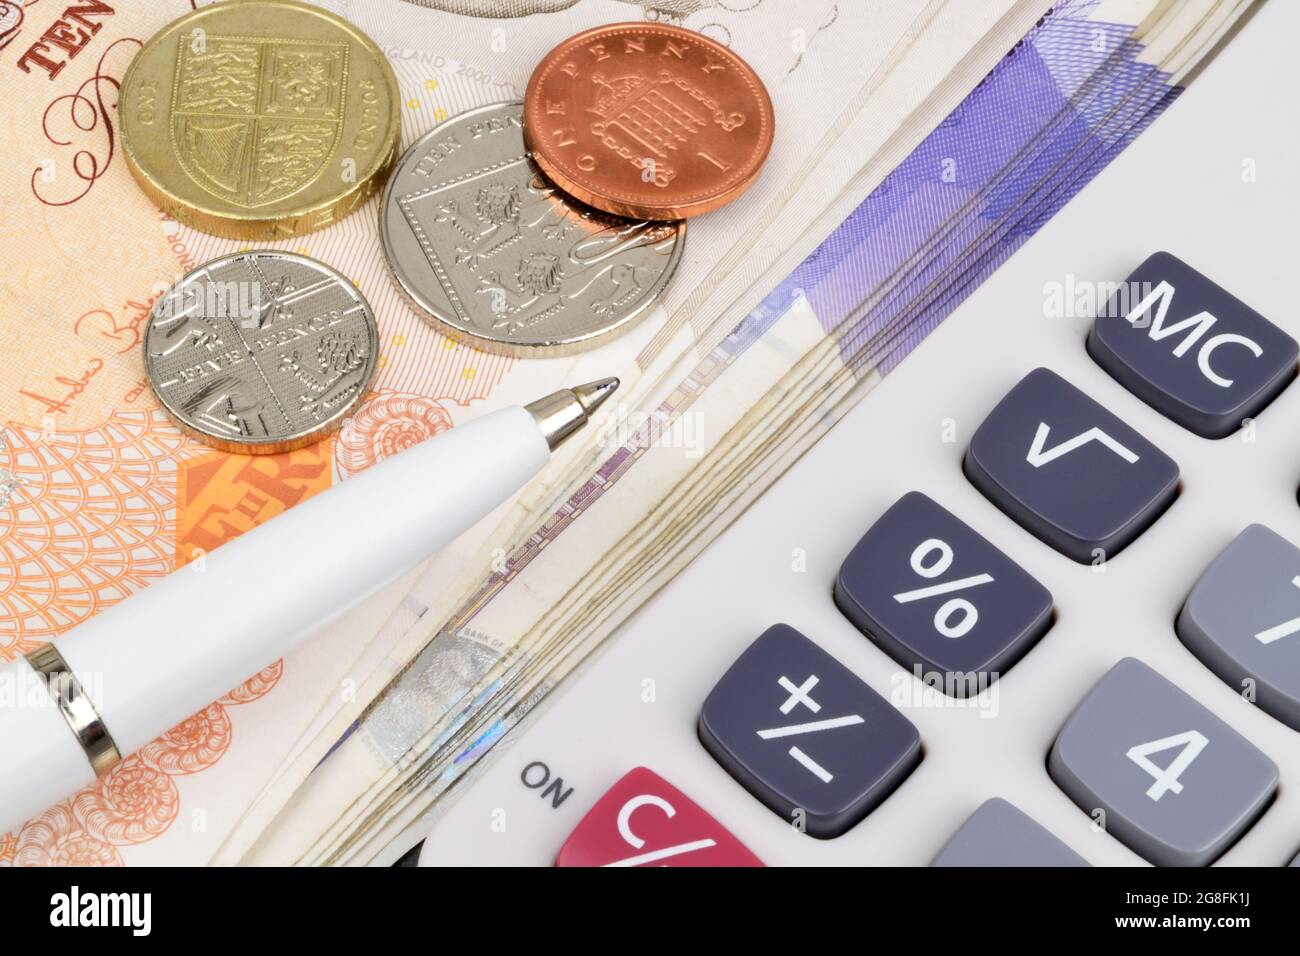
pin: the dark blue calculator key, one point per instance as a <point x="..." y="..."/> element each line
<point x="1069" y="471"/>
<point x="805" y="736"/>
<point x="1191" y="350"/>
<point x="999" y="834"/>
<point x="939" y="598"/>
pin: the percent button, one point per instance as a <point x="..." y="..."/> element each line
<point x="940" y="599"/>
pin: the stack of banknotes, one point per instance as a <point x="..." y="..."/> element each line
<point x="919" y="143"/>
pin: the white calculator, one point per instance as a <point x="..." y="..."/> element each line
<point x="1065" y="504"/>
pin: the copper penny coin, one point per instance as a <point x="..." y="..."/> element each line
<point x="648" y="120"/>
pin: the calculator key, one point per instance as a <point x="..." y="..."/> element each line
<point x="1172" y="781"/>
<point x="1243" y="620"/>
<point x="805" y="736"/>
<point x="1069" y="471"/>
<point x="643" y="820"/>
<point x="1191" y="350"/>
<point x="939" y="599"/>
<point x="998" y="834"/>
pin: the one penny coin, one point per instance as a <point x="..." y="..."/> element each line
<point x="648" y="120"/>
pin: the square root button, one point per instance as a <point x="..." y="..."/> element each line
<point x="1158" y="771"/>
<point x="1191" y="350"/>
<point x="939" y="598"/>
<point x="1243" y="620"/>
<point x="1069" y="471"/>
<point x="805" y="736"/>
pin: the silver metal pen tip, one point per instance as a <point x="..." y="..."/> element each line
<point x="593" y="394"/>
<point x="562" y="413"/>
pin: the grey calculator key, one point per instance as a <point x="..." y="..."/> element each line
<point x="1190" y="349"/>
<point x="939" y="598"/>
<point x="998" y="834"/>
<point x="1069" y="471"/>
<point x="1173" y="782"/>
<point x="805" y="736"/>
<point x="1243" y="620"/>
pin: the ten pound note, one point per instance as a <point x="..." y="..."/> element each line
<point x="100" y="494"/>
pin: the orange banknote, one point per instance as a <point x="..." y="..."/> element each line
<point x="99" y="493"/>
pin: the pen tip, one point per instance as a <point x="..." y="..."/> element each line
<point x="593" y="394"/>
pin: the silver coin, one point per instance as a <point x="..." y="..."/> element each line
<point x="493" y="254"/>
<point x="261" y="352"/>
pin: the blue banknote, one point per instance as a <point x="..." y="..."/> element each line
<point x="1050" y="116"/>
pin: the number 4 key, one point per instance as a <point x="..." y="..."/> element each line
<point x="1176" y="784"/>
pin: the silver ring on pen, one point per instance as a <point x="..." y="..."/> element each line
<point x="76" y="707"/>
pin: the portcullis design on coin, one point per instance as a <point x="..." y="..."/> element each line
<point x="487" y="249"/>
<point x="261" y="352"/>
<point x="648" y="120"/>
<point x="259" y="119"/>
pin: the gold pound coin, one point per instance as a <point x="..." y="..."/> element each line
<point x="259" y="119"/>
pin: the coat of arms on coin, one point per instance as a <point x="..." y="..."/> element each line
<point x="259" y="119"/>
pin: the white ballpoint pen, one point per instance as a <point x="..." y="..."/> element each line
<point x="70" y="710"/>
